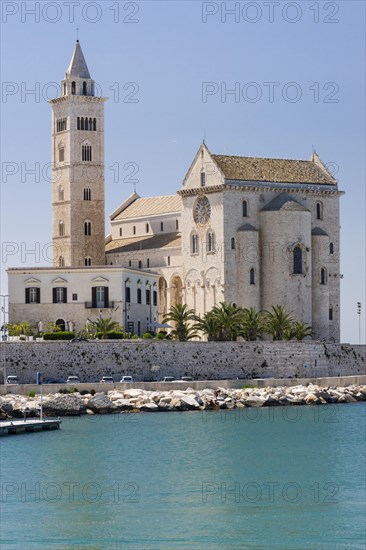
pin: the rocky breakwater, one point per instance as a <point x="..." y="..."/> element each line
<point x="136" y="400"/>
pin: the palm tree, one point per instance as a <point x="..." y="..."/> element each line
<point x="278" y="322"/>
<point x="209" y="325"/>
<point x="181" y="316"/>
<point x="227" y="317"/>
<point x="104" y="326"/>
<point x="252" y="324"/>
<point x="299" y="330"/>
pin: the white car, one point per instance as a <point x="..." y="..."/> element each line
<point x="12" y="380"/>
<point x="126" y="379"/>
<point x="107" y="380"/>
<point x="73" y="380"/>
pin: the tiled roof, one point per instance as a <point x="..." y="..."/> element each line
<point x="272" y="170"/>
<point x="134" y="244"/>
<point x="151" y="206"/>
<point x="284" y="202"/>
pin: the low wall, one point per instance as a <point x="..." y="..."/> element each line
<point x="152" y="360"/>
<point x="339" y="381"/>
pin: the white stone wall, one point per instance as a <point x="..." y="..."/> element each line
<point x="210" y="360"/>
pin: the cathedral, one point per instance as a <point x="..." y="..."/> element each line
<point x="255" y="232"/>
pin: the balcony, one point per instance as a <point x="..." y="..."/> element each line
<point x="90" y="305"/>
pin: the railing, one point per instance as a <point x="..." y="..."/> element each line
<point x="90" y="305"/>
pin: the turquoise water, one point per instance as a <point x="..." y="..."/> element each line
<point x="280" y="478"/>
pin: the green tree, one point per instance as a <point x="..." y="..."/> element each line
<point x="299" y="330"/>
<point x="105" y="326"/>
<point x="278" y="322"/>
<point x="209" y="325"/>
<point x="228" y="318"/>
<point x="52" y="327"/>
<point x="181" y="316"/>
<point x="252" y="324"/>
<point x="21" y="329"/>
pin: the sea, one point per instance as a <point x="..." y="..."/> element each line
<point x="286" y="478"/>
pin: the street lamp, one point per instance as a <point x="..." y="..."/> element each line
<point x="359" y="321"/>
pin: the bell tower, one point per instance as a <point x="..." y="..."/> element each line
<point x="78" y="169"/>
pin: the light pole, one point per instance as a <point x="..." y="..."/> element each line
<point x="359" y="321"/>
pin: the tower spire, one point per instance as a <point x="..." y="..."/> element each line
<point x="78" y="67"/>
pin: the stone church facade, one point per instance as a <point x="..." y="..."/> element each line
<point x="255" y="232"/>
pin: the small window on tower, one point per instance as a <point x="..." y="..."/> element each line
<point x="87" y="194"/>
<point x="61" y="261"/>
<point x="73" y="88"/>
<point x="161" y="226"/>
<point x="203" y="179"/>
<point x="61" y="229"/>
<point x="87" y="261"/>
<point x="87" y="228"/>
<point x="177" y="225"/>
<point x="120" y="231"/>
<point x="61" y="154"/>
<point x="61" y="193"/>
<point x="84" y="88"/>
<point x="94" y="124"/>
<point x="147" y="228"/>
<point x="134" y="230"/>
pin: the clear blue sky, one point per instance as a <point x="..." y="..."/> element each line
<point x="169" y="52"/>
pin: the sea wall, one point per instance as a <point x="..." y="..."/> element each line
<point x="152" y="360"/>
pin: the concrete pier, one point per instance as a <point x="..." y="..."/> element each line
<point x="10" y="427"/>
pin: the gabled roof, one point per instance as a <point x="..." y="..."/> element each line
<point x="284" y="202"/>
<point x="135" y="244"/>
<point x="150" y="206"/>
<point x="319" y="231"/>
<point x="78" y="67"/>
<point x="274" y="170"/>
<point x="247" y="227"/>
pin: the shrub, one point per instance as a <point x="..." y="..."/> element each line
<point x="115" y="335"/>
<point x="247" y="386"/>
<point x="92" y="392"/>
<point x="135" y="337"/>
<point x="147" y="336"/>
<point x="161" y="335"/>
<point x="31" y="393"/>
<point x="66" y="335"/>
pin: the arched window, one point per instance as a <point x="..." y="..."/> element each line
<point x="233" y="243"/>
<point x="61" y="154"/>
<point x="203" y="179"/>
<point x="210" y="243"/>
<point x="61" y="261"/>
<point x="148" y="262"/>
<point x="323" y="276"/>
<point x="87" y="194"/>
<point x="252" y="277"/>
<point x="90" y="124"/>
<point x="82" y="123"/>
<point x="64" y="88"/>
<point x="134" y="230"/>
<point x="84" y="88"/>
<point x="78" y="123"/>
<point x="129" y="263"/>
<point x="87" y="261"/>
<point x="194" y="243"/>
<point x="94" y="124"/>
<point x="147" y="228"/>
<point x="331" y="248"/>
<point x="86" y="123"/>
<point x="297" y="257"/>
<point x="245" y="209"/>
<point x="319" y="211"/>
<point x="120" y="231"/>
<point x="73" y="88"/>
<point x="161" y="226"/>
<point x="86" y="153"/>
<point x="61" y="194"/>
<point x="87" y="228"/>
<point x="61" y="228"/>
<point x="140" y="264"/>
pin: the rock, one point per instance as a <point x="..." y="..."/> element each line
<point x="311" y="399"/>
<point x="123" y="405"/>
<point x="101" y="404"/>
<point x="190" y="401"/>
<point x="133" y="393"/>
<point x="254" y="401"/>
<point x="63" y="405"/>
<point x="347" y="398"/>
<point x="149" y="407"/>
<point x="164" y="406"/>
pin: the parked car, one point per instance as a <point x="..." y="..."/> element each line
<point x="126" y="379"/>
<point x="12" y="380"/>
<point x="107" y="380"/>
<point x="73" y="380"/>
<point x="169" y="379"/>
<point x="54" y="381"/>
<point x="185" y="379"/>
